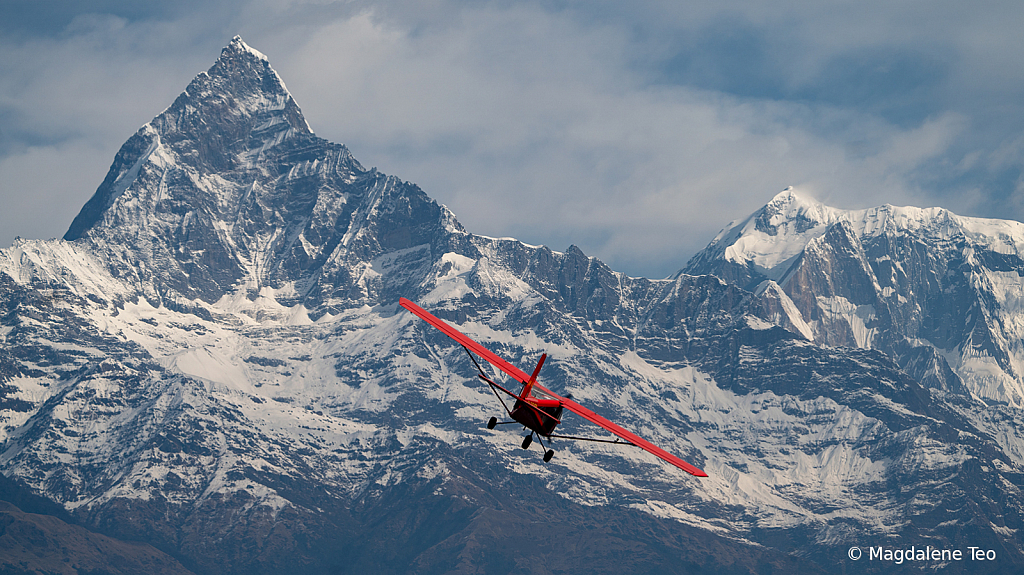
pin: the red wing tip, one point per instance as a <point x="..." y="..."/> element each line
<point x="699" y="473"/>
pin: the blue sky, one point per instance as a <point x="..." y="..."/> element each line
<point x="635" y="130"/>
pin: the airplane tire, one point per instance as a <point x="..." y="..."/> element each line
<point x="549" y="455"/>
<point x="492" y="422"/>
<point x="527" y="441"/>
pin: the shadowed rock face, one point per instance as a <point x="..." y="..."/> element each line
<point x="216" y="363"/>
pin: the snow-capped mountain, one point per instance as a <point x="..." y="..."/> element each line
<point x="229" y="188"/>
<point x="939" y="292"/>
<point x="213" y="361"/>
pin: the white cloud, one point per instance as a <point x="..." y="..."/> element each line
<point x="36" y="187"/>
<point x="528" y="121"/>
<point x="68" y="103"/>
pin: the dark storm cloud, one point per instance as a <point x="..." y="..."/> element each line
<point x="635" y="130"/>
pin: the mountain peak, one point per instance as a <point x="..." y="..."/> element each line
<point x="227" y="116"/>
<point x="228" y="189"/>
<point x="779" y="230"/>
<point x="786" y="196"/>
<point x="243" y="81"/>
<point x="789" y="206"/>
<point x="237" y="45"/>
<point x="774" y="234"/>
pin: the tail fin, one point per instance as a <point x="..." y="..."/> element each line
<point x="533" y="378"/>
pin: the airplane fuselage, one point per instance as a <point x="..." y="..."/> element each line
<point x="541" y="416"/>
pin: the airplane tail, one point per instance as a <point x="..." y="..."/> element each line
<point x="528" y="388"/>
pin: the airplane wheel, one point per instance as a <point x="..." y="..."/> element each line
<point x="549" y="455"/>
<point x="492" y="422"/>
<point x="527" y="441"/>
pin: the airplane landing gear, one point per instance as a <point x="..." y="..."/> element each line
<point x="527" y="441"/>
<point x="492" y="422"/>
<point x="547" y="456"/>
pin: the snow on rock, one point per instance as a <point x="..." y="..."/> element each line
<point x="890" y="278"/>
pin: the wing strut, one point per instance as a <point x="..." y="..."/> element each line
<point x="595" y="440"/>
<point x="490" y="383"/>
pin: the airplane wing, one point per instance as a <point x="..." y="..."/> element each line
<point x="630" y="437"/>
<point x="569" y="404"/>
<point x="469" y="344"/>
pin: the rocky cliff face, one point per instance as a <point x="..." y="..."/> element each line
<point x="229" y="187"/>
<point x="938" y="292"/>
<point x="214" y="361"/>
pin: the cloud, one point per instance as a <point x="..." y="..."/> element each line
<point x="529" y="124"/>
<point x="635" y="131"/>
<point x="36" y="188"/>
<point x="67" y="103"/>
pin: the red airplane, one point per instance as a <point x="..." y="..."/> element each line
<point x="536" y="407"/>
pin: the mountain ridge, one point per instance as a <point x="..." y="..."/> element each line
<point x="924" y="285"/>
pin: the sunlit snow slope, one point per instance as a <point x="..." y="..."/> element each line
<point x="939" y="292"/>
